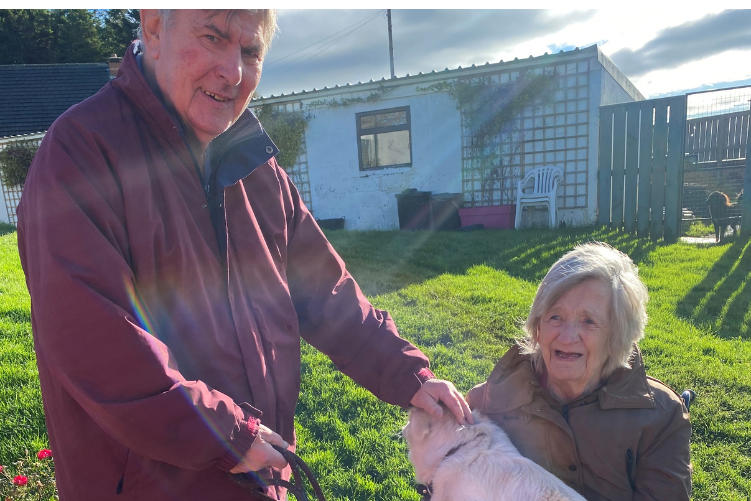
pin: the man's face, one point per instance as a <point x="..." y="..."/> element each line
<point x="207" y="67"/>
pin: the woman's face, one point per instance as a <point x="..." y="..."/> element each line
<point x="572" y="335"/>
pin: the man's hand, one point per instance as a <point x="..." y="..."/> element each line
<point x="438" y="390"/>
<point x="261" y="454"/>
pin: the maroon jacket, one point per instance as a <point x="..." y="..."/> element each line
<point x="150" y="330"/>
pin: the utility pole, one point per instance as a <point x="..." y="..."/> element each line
<point x="391" y="44"/>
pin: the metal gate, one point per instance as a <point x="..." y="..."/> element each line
<point x="717" y="126"/>
<point x="640" y="175"/>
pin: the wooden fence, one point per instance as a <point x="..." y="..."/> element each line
<point x="640" y="176"/>
<point x="718" y="140"/>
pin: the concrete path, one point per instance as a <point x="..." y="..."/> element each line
<point x="698" y="240"/>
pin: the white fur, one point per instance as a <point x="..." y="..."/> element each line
<point x="486" y="467"/>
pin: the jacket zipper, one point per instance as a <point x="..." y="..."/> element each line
<point x="565" y="413"/>
<point x="630" y="469"/>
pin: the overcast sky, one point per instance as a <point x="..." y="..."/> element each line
<point x="669" y="51"/>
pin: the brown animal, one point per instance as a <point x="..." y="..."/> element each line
<point x="719" y="203"/>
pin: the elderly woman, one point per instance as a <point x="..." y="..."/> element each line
<point x="573" y="395"/>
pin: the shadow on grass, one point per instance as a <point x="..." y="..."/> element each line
<point x="723" y="297"/>
<point x="6" y="228"/>
<point x="16" y="315"/>
<point x="386" y="261"/>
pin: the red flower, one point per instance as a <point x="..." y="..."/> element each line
<point x="44" y="454"/>
<point x="1" y="468"/>
<point x="20" y="480"/>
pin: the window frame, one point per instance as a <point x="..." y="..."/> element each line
<point x="382" y="130"/>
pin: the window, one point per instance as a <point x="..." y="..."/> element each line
<point x="384" y="138"/>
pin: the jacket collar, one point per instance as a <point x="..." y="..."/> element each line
<point x="132" y="84"/>
<point x="240" y="150"/>
<point x="628" y="387"/>
<point x="234" y="154"/>
<point x="513" y="384"/>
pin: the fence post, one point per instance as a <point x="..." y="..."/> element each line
<point x="674" y="170"/>
<point x="746" y="210"/>
<point x="604" y="174"/>
<point x="659" y="161"/>
<point x="632" y="167"/>
<point x="619" y="155"/>
<point x="646" y="129"/>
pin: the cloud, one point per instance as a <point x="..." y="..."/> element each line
<point x="323" y="59"/>
<point x="720" y="70"/>
<point x="664" y="53"/>
<point x="695" y="40"/>
<point x="424" y="40"/>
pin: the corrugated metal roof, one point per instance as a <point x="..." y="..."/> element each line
<point x="32" y="96"/>
<point x="591" y="50"/>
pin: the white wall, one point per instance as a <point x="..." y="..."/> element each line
<point x="367" y="199"/>
<point x="612" y="92"/>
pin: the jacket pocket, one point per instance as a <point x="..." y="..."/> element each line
<point x="129" y="479"/>
<point x="630" y="469"/>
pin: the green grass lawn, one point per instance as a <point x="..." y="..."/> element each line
<point x="21" y="416"/>
<point x="461" y="297"/>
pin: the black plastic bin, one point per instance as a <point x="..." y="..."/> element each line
<point x="414" y="210"/>
<point x="331" y="224"/>
<point x="445" y="207"/>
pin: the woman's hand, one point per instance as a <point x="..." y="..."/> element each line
<point x="438" y="390"/>
<point x="261" y="454"/>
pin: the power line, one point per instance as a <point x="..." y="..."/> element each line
<point x="351" y="28"/>
<point x="275" y="61"/>
<point x="325" y="47"/>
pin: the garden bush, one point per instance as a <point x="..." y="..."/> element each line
<point x="15" y="161"/>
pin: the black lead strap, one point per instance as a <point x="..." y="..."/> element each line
<point x="426" y="491"/>
<point x="253" y="486"/>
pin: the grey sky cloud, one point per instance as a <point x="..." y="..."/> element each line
<point x="424" y="40"/>
<point x="438" y="38"/>
<point x="712" y="34"/>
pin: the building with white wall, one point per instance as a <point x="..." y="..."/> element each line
<point x="423" y="144"/>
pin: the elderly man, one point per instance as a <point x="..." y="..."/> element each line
<point x="173" y="269"/>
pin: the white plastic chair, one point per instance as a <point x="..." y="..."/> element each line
<point x="544" y="186"/>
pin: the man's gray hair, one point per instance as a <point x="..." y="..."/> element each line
<point x="268" y="23"/>
<point x="628" y="312"/>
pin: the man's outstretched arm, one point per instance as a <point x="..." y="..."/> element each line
<point x="362" y="341"/>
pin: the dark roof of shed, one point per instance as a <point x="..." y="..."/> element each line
<point x="32" y="96"/>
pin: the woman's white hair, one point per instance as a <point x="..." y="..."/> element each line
<point x="269" y="23"/>
<point x="628" y="313"/>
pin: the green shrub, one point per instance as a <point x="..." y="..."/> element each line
<point x="286" y="129"/>
<point x="15" y="161"/>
